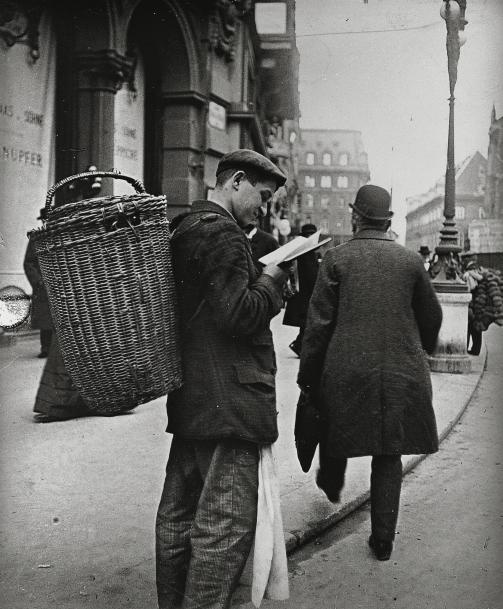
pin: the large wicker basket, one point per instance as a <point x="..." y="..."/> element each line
<point x="106" y="263"/>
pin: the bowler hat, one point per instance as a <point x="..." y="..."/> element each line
<point x="308" y="229"/>
<point x="373" y="203"/>
<point x="249" y="159"/>
<point x="424" y="250"/>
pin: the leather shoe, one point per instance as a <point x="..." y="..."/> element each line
<point x="382" y="549"/>
<point x="330" y="487"/>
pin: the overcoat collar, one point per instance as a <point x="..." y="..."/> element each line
<point x="370" y="233"/>
<point x="209" y="206"/>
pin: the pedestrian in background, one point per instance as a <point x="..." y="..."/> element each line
<point x="296" y="307"/>
<point x="57" y="397"/>
<point x="372" y="316"/>
<point x="226" y="409"/>
<point x="472" y="275"/>
<point x="424" y="252"/>
<point x="40" y="312"/>
<point x="261" y="243"/>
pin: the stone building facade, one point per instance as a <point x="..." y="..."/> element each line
<point x="425" y="215"/>
<point x="333" y="165"/>
<point x="494" y="178"/>
<point x="158" y="89"/>
<point x="486" y="235"/>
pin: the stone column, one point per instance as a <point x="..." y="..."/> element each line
<point x="182" y="158"/>
<point x="100" y="75"/>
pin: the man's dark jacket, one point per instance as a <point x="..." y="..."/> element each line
<point x="262" y="243"/>
<point x="227" y="350"/>
<point x="372" y="316"/>
<point x="297" y="306"/>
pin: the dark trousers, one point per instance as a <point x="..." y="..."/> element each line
<point x="45" y="341"/>
<point x="205" y="522"/>
<point x="385" y="487"/>
<point x="476" y="336"/>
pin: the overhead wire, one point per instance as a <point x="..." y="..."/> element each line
<point x="395" y="29"/>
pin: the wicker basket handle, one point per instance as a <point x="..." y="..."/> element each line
<point x="138" y="186"/>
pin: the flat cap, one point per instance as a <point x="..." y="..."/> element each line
<point x="249" y="159"/>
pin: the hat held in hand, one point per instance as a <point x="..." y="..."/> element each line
<point x="372" y="203"/>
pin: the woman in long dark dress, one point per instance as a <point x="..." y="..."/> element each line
<point x="57" y="398"/>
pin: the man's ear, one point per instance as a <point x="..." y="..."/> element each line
<point x="237" y="178"/>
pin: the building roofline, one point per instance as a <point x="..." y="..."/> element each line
<point x="302" y="129"/>
<point x="433" y="202"/>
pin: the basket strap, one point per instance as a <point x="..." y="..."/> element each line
<point x="137" y="184"/>
<point x="177" y="232"/>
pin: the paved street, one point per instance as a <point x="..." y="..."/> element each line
<point x="78" y="498"/>
<point x="449" y="548"/>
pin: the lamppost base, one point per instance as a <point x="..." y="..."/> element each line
<point x="450" y="363"/>
<point x="450" y="354"/>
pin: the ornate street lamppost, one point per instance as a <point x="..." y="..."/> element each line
<point x="451" y="355"/>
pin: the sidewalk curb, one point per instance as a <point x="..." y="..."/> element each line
<point x="8" y="338"/>
<point x="296" y="539"/>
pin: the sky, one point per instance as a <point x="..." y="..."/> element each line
<point x="381" y="68"/>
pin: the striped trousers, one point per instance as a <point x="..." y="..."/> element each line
<point x="205" y="522"/>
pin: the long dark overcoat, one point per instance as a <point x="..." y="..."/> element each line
<point x="40" y="312"/>
<point x="372" y="316"/>
<point x="227" y="350"/>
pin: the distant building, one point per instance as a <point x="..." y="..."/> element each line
<point x="494" y="179"/>
<point x="486" y="235"/>
<point x="425" y="213"/>
<point x="332" y="165"/>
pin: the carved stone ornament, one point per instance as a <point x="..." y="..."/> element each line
<point x="103" y="70"/>
<point x="223" y="20"/>
<point x="19" y="23"/>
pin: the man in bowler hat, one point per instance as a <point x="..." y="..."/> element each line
<point x="424" y="252"/>
<point x="226" y="408"/>
<point x="372" y="316"/>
